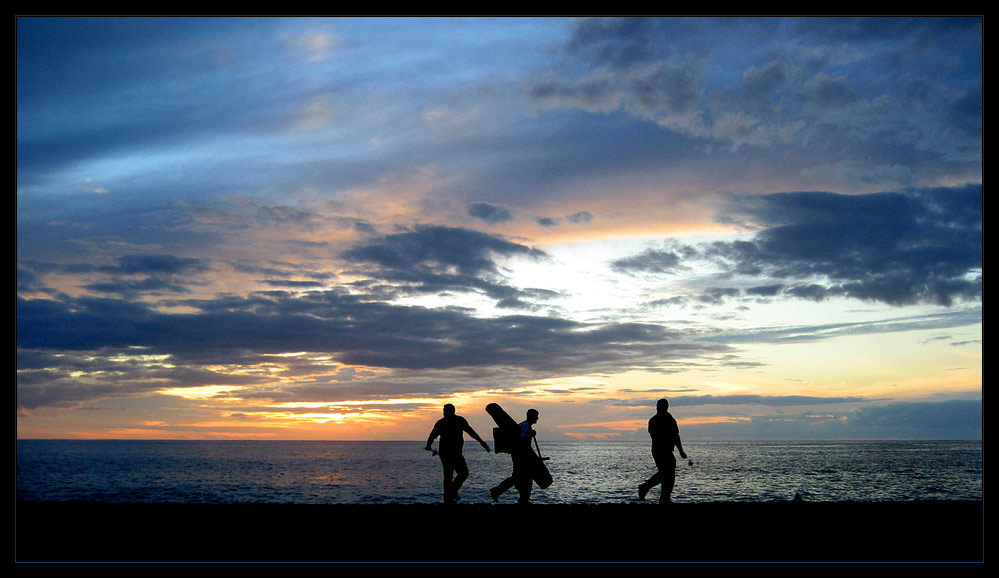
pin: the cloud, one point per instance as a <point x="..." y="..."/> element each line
<point x="148" y="285"/>
<point x="828" y="93"/>
<point x="134" y="274"/>
<point x="761" y="83"/>
<point x="685" y="400"/>
<point x="439" y="248"/>
<point x="944" y="420"/>
<point x="158" y="264"/>
<point x="352" y="331"/>
<point x="437" y="259"/>
<point x="236" y="249"/>
<point x="923" y="246"/>
<point x="621" y="42"/>
<point x="649" y="261"/>
<point x="799" y="85"/>
<point x="593" y="94"/>
<point x="26" y="281"/>
<point x="941" y="420"/>
<point x="293" y="284"/>
<point x="577" y="218"/>
<point x="766" y="400"/>
<point x="492" y="214"/>
<point x="806" y="333"/>
<point x="896" y="248"/>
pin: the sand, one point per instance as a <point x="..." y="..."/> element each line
<point x="925" y="531"/>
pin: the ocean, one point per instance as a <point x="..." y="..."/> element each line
<point x="585" y="472"/>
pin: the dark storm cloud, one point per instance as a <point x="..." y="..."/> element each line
<point x="439" y="248"/>
<point x="491" y="214"/>
<point x="247" y="330"/>
<point x="765" y="290"/>
<point x="158" y="264"/>
<point x="157" y="274"/>
<point x="577" y="218"/>
<point x="897" y="248"/>
<point x="649" y="261"/>
<point x="293" y="284"/>
<point x="705" y="297"/>
<point x="137" y="264"/>
<point x="434" y="259"/>
<point x="922" y="246"/>
<point x="132" y="288"/>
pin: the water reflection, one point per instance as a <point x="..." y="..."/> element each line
<point x="401" y="472"/>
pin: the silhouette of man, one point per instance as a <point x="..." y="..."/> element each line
<point x="451" y="429"/>
<point x="665" y="436"/>
<point x="523" y="462"/>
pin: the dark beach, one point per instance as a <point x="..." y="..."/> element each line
<point x="918" y="531"/>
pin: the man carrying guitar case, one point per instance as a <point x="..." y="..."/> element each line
<point x="513" y="438"/>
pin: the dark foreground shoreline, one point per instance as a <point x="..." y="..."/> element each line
<point x="918" y="531"/>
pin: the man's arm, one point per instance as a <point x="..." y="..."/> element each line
<point x="679" y="444"/>
<point x="468" y="429"/>
<point x="433" y="435"/>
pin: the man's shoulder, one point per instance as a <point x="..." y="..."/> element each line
<point x="666" y="418"/>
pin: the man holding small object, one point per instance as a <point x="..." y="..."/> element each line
<point x="451" y="429"/>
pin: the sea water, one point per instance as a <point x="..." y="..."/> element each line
<point x="325" y="472"/>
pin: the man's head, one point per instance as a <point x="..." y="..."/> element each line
<point x="532" y="416"/>
<point x="448" y="409"/>
<point x="662" y="406"/>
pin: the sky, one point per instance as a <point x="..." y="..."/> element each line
<point x="327" y="228"/>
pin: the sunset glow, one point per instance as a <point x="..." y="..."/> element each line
<point x="327" y="228"/>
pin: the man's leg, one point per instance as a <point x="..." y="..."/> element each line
<point x="666" y="474"/>
<point x="503" y="486"/>
<point x="669" y="479"/>
<point x="644" y="487"/>
<point x="448" y="464"/>
<point x="652" y="482"/>
<point x="522" y="477"/>
<point x="461" y="474"/>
